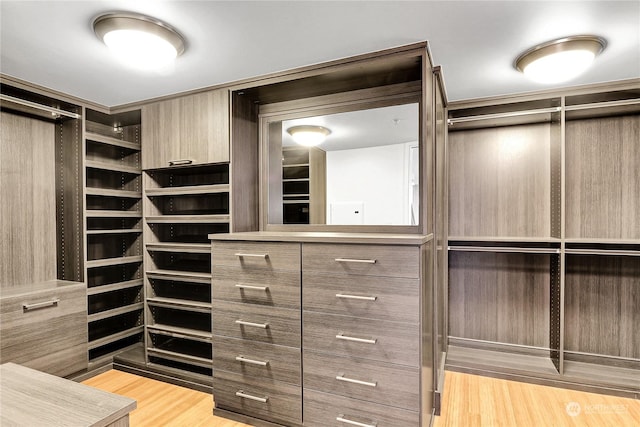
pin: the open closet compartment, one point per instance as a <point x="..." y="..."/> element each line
<point x="113" y="189"/>
<point x="42" y="274"/>
<point x="543" y="238"/>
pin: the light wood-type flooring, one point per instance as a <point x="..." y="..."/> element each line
<point x="469" y="401"/>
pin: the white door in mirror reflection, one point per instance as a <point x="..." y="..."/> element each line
<point x="347" y="213"/>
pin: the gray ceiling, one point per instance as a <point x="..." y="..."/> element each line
<point x="51" y="43"/>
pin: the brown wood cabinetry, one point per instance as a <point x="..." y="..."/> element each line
<point x="189" y="130"/>
<point x="361" y="331"/>
<point x="544" y="238"/>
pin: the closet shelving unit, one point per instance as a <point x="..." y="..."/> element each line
<point x="303" y="185"/>
<point x="182" y="207"/>
<point x="113" y="230"/>
<point x="544" y="239"/>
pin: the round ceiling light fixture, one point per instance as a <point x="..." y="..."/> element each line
<point x="140" y="41"/>
<point x="560" y="60"/>
<point x="308" y="135"/>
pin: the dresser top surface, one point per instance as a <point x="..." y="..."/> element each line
<point x="30" y="397"/>
<point x="325" y="237"/>
<point x="30" y="288"/>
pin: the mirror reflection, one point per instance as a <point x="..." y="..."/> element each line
<point x="351" y="168"/>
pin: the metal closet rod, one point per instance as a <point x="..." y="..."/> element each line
<point x="621" y="103"/>
<point x="503" y="115"/>
<point x="52" y="110"/>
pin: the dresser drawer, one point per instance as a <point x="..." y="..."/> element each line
<point x="376" y="382"/>
<point x="387" y="298"/>
<point x="258" y="323"/>
<point x="370" y="260"/>
<point x="256" y="256"/>
<point x="45" y="330"/>
<point x="326" y="410"/>
<point x="269" y="400"/>
<point x="253" y="359"/>
<point x="381" y="340"/>
<point x="272" y="288"/>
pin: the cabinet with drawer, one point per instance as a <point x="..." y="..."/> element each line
<point x="44" y="326"/>
<point x="362" y="317"/>
<point x="256" y="325"/>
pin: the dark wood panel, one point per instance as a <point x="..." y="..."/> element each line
<point x="282" y="363"/>
<point x="323" y="410"/>
<point x="603" y="183"/>
<point x="396" y="299"/>
<point x="385" y="383"/>
<point x="28" y="192"/>
<point x="393" y="342"/>
<point x="602" y="305"/>
<point x="283" y="324"/>
<point x="499" y="182"/>
<point x="283" y="401"/>
<point x="500" y="297"/>
<point x="389" y="261"/>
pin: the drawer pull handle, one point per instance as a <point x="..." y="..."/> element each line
<point x="180" y="162"/>
<point x="362" y="340"/>
<point x="244" y="255"/>
<point x="38" y="305"/>
<point x="342" y="419"/>
<point x="360" y="297"/>
<point x="243" y="359"/>
<point x="241" y="393"/>
<point x="257" y="325"/>
<point x="361" y="261"/>
<point x="351" y="380"/>
<point x="256" y="288"/>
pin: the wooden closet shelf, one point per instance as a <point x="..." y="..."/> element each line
<point x="107" y="192"/>
<point x="99" y="213"/>
<point x="116" y="231"/>
<point x="112" y="166"/>
<point x="198" y="306"/>
<point x="499" y="361"/>
<point x="187" y="219"/>
<point x="94" y="290"/>
<point x="114" y="261"/>
<point x="96" y="137"/>
<point x="194" y="248"/>
<point x="187" y="190"/>
<point x="180" y="357"/>
<point x="494" y="239"/>
<point x="195" y="333"/>
<point x="175" y="274"/>
<point x="115" y="337"/>
<point x="115" y="312"/>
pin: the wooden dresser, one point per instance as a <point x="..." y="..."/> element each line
<point x="44" y="326"/>
<point x="322" y="329"/>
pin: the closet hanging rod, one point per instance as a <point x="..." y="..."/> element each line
<point x="502" y="115"/>
<point x="620" y="103"/>
<point x="52" y="110"/>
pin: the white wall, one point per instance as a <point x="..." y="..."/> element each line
<point x="376" y="176"/>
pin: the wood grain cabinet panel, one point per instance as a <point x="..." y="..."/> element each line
<point x="368" y="260"/>
<point x="327" y="410"/>
<point x="192" y="130"/>
<point x="386" y="298"/>
<point x="45" y="329"/>
<point x="257" y="323"/>
<point x="253" y="359"/>
<point x="377" y="382"/>
<point x="270" y="400"/>
<point x="258" y="257"/>
<point x="380" y="340"/>
<point x="277" y="289"/>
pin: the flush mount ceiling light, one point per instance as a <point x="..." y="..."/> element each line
<point x="560" y="60"/>
<point x="308" y="135"/>
<point x="139" y="40"/>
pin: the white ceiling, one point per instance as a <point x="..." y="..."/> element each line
<point x="51" y="43"/>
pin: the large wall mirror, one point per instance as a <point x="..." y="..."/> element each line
<point x="343" y="167"/>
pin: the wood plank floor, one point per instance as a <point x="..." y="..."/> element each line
<point x="469" y="401"/>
